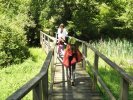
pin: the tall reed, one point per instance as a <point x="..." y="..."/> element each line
<point x="120" y="52"/>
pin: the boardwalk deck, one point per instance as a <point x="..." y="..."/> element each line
<point x="62" y="89"/>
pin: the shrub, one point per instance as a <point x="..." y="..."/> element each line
<point x="14" y="18"/>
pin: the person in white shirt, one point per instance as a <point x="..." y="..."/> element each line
<point x="61" y="38"/>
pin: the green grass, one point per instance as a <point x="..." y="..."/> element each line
<point x="14" y="76"/>
<point x="119" y="52"/>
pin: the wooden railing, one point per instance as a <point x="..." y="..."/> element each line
<point x="46" y="41"/>
<point x="40" y="83"/>
<point x="125" y="78"/>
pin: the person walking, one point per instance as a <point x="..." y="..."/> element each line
<point x="72" y="55"/>
<point x="61" y="38"/>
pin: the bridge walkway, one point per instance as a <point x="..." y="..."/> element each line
<point x="82" y="90"/>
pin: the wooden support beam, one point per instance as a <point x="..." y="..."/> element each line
<point x="45" y="86"/>
<point x="84" y="52"/>
<point x="124" y="89"/>
<point x="37" y="92"/>
<point x="96" y="69"/>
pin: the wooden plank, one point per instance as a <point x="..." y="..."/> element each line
<point x="76" y="96"/>
<point x="62" y="89"/>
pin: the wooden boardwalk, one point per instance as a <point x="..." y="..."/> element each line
<point x="44" y="88"/>
<point x="62" y="89"/>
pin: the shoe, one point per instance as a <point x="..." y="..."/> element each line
<point x="72" y="83"/>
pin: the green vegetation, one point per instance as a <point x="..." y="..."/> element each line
<point x="14" y="19"/>
<point x="119" y="52"/>
<point x="14" y="76"/>
<point x="21" y="21"/>
<point x="91" y="19"/>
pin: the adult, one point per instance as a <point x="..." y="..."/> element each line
<point x="61" y="38"/>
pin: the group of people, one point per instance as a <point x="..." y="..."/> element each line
<point x="71" y="54"/>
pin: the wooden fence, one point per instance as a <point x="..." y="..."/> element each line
<point x="125" y="78"/>
<point x="39" y="84"/>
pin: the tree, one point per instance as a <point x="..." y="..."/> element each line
<point x="13" y="43"/>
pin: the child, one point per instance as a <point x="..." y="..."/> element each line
<point x="71" y="57"/>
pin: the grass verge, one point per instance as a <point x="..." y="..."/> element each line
<point x="14" y="76"/>
<point x="120" y="52"/>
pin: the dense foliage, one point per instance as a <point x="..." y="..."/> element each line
<point x="16" y="75"/>
<point x="91" y="19"/>
<point x="21" y="21"/>
<point x="14" y="19"/>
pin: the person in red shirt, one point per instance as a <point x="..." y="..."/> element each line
<point x="72" y="55"/>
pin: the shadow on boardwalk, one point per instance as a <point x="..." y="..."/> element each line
<point x="62" y="89"/>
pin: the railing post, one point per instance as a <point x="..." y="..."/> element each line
<point x="45" y="86"/>
<point x="41" y="38"/>
<point x="82" y="48"/>
<point x="52" y="64"/>
<point x="43" y="41"/>
<point x="48" y="44"/>
<point x="84" y="52"/>
<point x="55" y="56"/>
<point x="85" y="55"/>
<point x="52" y="71"/>
<point x="124" y="89"/>
<point x="37" y="92"/>
<point x="96" y="69"/>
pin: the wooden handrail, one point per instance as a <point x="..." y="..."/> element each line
<point x="39" y="84"/>
<point x="45" y="41"/>
<point x="41" y="79"/>
<point x="21" y="92"/>
<point x="125" y="78"/>
<point x="97" y="77"/>
<point x="112" y="64"/>
<point x="50" y="37"/>
<point x="108" y="61"/>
